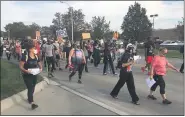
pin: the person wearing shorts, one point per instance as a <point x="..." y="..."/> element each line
<point x="149" y="53"/>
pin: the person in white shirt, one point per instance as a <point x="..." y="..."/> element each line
<point x="49" y="53"/>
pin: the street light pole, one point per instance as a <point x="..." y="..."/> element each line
<point x="153" y="16"/>
<point x="72" y="34"/>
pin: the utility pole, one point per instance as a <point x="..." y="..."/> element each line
<point x="154" y="16"/>
<point x="72" y="22"/>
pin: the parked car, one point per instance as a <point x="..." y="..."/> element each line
<point x="168" y="42"/>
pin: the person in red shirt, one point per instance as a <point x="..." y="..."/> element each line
<point x="158" y="70"/>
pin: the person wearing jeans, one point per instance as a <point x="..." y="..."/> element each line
<point x="158" y="70"/>
<point x="107" y="60"/>
<point x="30" y="61"/>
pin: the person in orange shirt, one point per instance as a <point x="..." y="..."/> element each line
<point x="158" y="70"/>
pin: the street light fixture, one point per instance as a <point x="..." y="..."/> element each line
<point x="71" y="18"/>
<point x="153" y="16"/>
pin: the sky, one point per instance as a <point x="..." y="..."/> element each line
<point x="42" y="12"/>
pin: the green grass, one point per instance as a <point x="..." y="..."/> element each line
<point x="174" y="54"/>
<point x="11" y="79"/>
<point x="170" y="54"/>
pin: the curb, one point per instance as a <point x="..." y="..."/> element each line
<point x="101" y="104"/>
<point x="16" y="98"/>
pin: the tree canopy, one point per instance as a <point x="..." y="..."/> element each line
<point x="100" y="27"/>
<point x="136" y="25"/>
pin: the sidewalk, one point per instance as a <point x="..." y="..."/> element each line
<point x="56" y="101"/>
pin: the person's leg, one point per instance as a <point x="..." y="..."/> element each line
<point x="80" y="69"/>
<point x="34" y="81"/>
<point x="182" y="68"/>
<point x="131" y="88"/>
<point x="73" y="72"/>
<point x="122" y="79"/>
<point x="153" y="88"/>
<point x="28" y="83"/>
<point x="105" y="65"/>
<point x="53" y="64"/>
<point x="86" y="68"/>
<point x="111" y="65"/>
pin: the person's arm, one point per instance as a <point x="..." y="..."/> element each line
<point x="125" y="63"/>
<point x="70" y="55"/>
<point x="83" y="56"/>
<point x="172" y="67"/>
<point x="21" y="65"/>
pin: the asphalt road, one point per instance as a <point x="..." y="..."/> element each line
<point x="97" y="86"/>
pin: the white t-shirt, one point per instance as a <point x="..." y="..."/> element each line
<point x="49" y="50"/>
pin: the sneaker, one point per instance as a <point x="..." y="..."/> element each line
<point x="115" y="74"/>
<point x="143" y="69"/>
<point x="152" y="97"/>
<point x="114" y="96"/>
<point x="182" y="72"/>
<point x="166" y="101"/>
<point x="104" y="73"/>
<point x="60" y="69"/>
<point x="79" y="81"/>
<point x="34" y="106"/>
<point x="69" y="78"/>
<point x="136" y="102"/>
<point x="51" y="75"/>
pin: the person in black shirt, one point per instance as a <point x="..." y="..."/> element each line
<point x="182" y="66"/>
<point x="149" y="53"/>
<point x="67" y="49"/>
<point x="30" y="61"/>
<point x="107" y="60"/>
<point x="126" y="75"/>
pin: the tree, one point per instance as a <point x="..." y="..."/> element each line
<point x="64" y="21"/>
<point x="180" y="30"/>
<point x="46" y="31"/>
<point x="20" y="30"/>
<point x="100" y="27"/>
<point x="136" y="25"/>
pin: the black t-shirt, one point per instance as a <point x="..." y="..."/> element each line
<point x="67" y="50"/>
<point x="126" y="57"/>
<point x="149" y="49"/>
<point x="30" y="63"/>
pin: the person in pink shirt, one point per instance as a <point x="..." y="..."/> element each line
<point x="158" y="70"/>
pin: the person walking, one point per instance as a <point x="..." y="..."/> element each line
<point x="18" y="50"/>
<point x="77" y="59"/>
<point x="8" y="50"/>
<point x="158" y="70"/>
<point x="66" y="51"/>
<point x="107" y="60"/>
<point x="30" y="61"/>
<point x="49" y="53"/>
<point x="149" y="53"/>
<point x="96" y="55"/>
<point x="182" y="66"/>
<point x="86" y="56"/>
<point x="126" y="75"/>
<point x="57" y="54"/>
